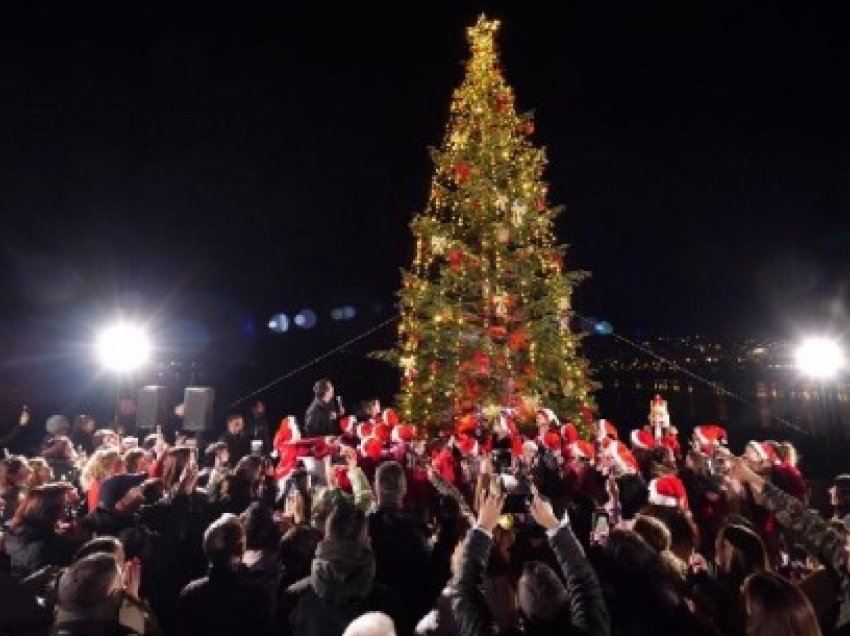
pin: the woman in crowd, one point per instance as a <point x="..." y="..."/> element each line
<point x="15" y="474"/>
<point x="102" y="464"/>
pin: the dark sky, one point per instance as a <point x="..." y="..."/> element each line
<point x="208" y="164"/>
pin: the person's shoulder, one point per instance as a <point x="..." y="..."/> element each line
<point x="193" y="588"/>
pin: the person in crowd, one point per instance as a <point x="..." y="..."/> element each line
<point x="236" y="437"/>
<point x="321" y="418"/>
<point x="548" y="606"/>
<point x="137" y="460"/>
<point x="15" y="474"/>
<point x="120" y="498"/>
<point x="774" y="605"/>
<point x="403" y="555"/>
<point x="42" y="473"/>
<point x="106" y="438"/>
<point x="103" y="464"/>
<point x="227" y="600"/>
<point x="82" y="433"/>
<point x="371" y="624"/>
<point x="839" y="499"/>
<point x="56" y="426"/>
<point x="342" y="583"/>
<point x="262" y="539"/>
<point x="39" y="534"/>
<point x="258" y="425"/>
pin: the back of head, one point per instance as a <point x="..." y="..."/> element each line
<point x="99" y="545"/>
<point x="776" y="606"/>
<point x="260" y="529"/>
<point x="542" y="597"/>
<point x="224" y="540"/>
<point x="653" y="531"/>
<point x="88" y="582"/>
<point x="744" y="552"/>
<point x="371" y="624"/>
<point x="390" y="482"/>
<point x="321" y="387"/>
<point x="633" y="494"/>
<point x="345" y="523"/>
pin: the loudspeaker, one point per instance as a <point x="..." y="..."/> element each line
<point x="152" y="408"/>
<point x="198" y="409"/>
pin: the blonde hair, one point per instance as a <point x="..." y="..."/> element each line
<point x="99" y="466"/>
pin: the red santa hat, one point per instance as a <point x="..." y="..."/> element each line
<point x="709" y="437"/>
<point x="347" y="424"/>
<point x="390" y="417"/>
<point x="642" y="440"/>
<point x="765" y="451"/>
<point x="383" y="432"/>
<point x="668" y="491"/>
<point x="552" y="441"/>
<point x="466" y="444"/>
<point x="550" y="416"/>
<point x="505" y="426"/>
<point x="372" y="447"/>
<point x="404" y="433"/>
<point x="580" y="449"/>
<point x="466" y="424"/>
<point x="606" y="428"/>
<point x="569" y="432"/>
<point x="365" y="429"/>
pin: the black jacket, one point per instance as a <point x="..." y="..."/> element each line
<point x="341" y="587"/>
<point x="31" y="549"/>
<point x="587" y="613"/>
<point x="227" y="602"/>
<point x="321" y="420"/>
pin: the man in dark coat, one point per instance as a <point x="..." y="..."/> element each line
<point x="342" y="584"/>
<point x="321" y="418"/>
<point x="228" y="600"/>
<point x="237" y="439"/>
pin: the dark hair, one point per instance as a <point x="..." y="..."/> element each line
<point x="224" y="539"/>
<point x="390" y="482"/>
<point x="684" y="534"/>
<point x="321" y="387"/>
<point x="152" y="490"/>
<point x="42" y="506"/>
<point x="633" y="494"/>
<point x="98" y="545"/>
<point x="541" y="595"/>
<point x="172" y="467"/>
<point x="748" y="555"/>
<point x="234" y="416"/>
<point x="777" y="606"/>
<point x="87" y="582"/>
<point x="345" y="523"/>
<point x="10" y="468"/>
<point x="131" y="459"/>
<point x="261" y="531"/>
<point x="653" y="531"/>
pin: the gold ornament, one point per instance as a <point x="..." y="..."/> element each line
<point x="439" y="244"/>
<point x="407" y="363"/>
<point x="518" y="212"/>
<point x="501" y="202"/>
<point x="500" y="305"/>
<point x="503" y="234"/>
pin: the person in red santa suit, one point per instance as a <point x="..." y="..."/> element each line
<point x="662" y="430"/>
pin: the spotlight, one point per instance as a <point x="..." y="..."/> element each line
<point x="346" y="312"/>
<point x="820" y="358"/>
<point x="123" y="347"/>
<point x="279" y="323"/>
<point x="603" y="328"/>
<point x="306" y="319"/>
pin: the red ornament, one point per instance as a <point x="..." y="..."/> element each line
<point x="517" y="339"/>
<point x="481" y="363"/>
<point x="462" y="172"/>
<point x="540" y="204"/>
<point x="498" y="332"/>
<point x="456" y="258"/>
<point x="529" y="127"/>
<point x="558" y="261"/>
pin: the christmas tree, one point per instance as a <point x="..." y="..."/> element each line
<point x="485" y="306"/>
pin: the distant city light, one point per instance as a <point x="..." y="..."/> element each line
<point x="123" y="347"/>
<point x="820" y="358"/>
<point x="346" y="312"/>
<point x="603" y="328"/>
<point x="279" y="323"/>
<point x="305" y="319"/>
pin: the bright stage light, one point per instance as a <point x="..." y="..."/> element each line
<point x="123" y="347"/>
<point x="819" y="358"/>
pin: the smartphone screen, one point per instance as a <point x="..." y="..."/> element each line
<point x="601" y="526"/>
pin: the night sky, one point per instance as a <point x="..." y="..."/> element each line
<point x="205" y="165"/>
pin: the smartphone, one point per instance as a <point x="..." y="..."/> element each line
<point x="600" y="527"/>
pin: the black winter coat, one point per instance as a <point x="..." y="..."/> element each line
<point x="31" y="549"/>
<point x="321" y="420"/>
<point x="586" y="613"/>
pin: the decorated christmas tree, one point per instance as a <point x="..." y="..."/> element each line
<point x="485" y="306"/>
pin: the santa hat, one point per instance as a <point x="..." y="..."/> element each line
<point x="390" y="417"/>
<point x="668" y="491"/>
<point x="569" y="432"/>
<point x="551" y="418"/>
<point x="466" y="424"/>
<point x="709" y="436"/>
<point x="658" y="404"/>
<point x="404" y="433"/>
<point x="364" y="430"/>
<point x="580" y="449"/>
<point x="606" y="428"/>
<point x="287" y="431"/>
<point x="642" y="439"/>
<point x="505" y="426"/>
<point x="347" y="424"/>
<point x="466" y="444"/>
<point x="372" y="447"/>
<point x="552" y="441"/>
<point x="622" y="456"/>
<point x="765" y="451"/>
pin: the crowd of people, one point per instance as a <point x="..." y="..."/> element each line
<point x="362" y="525"/>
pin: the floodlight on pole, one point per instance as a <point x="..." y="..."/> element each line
<point x="819" y="357"/>
<point x="123" y="347"/>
